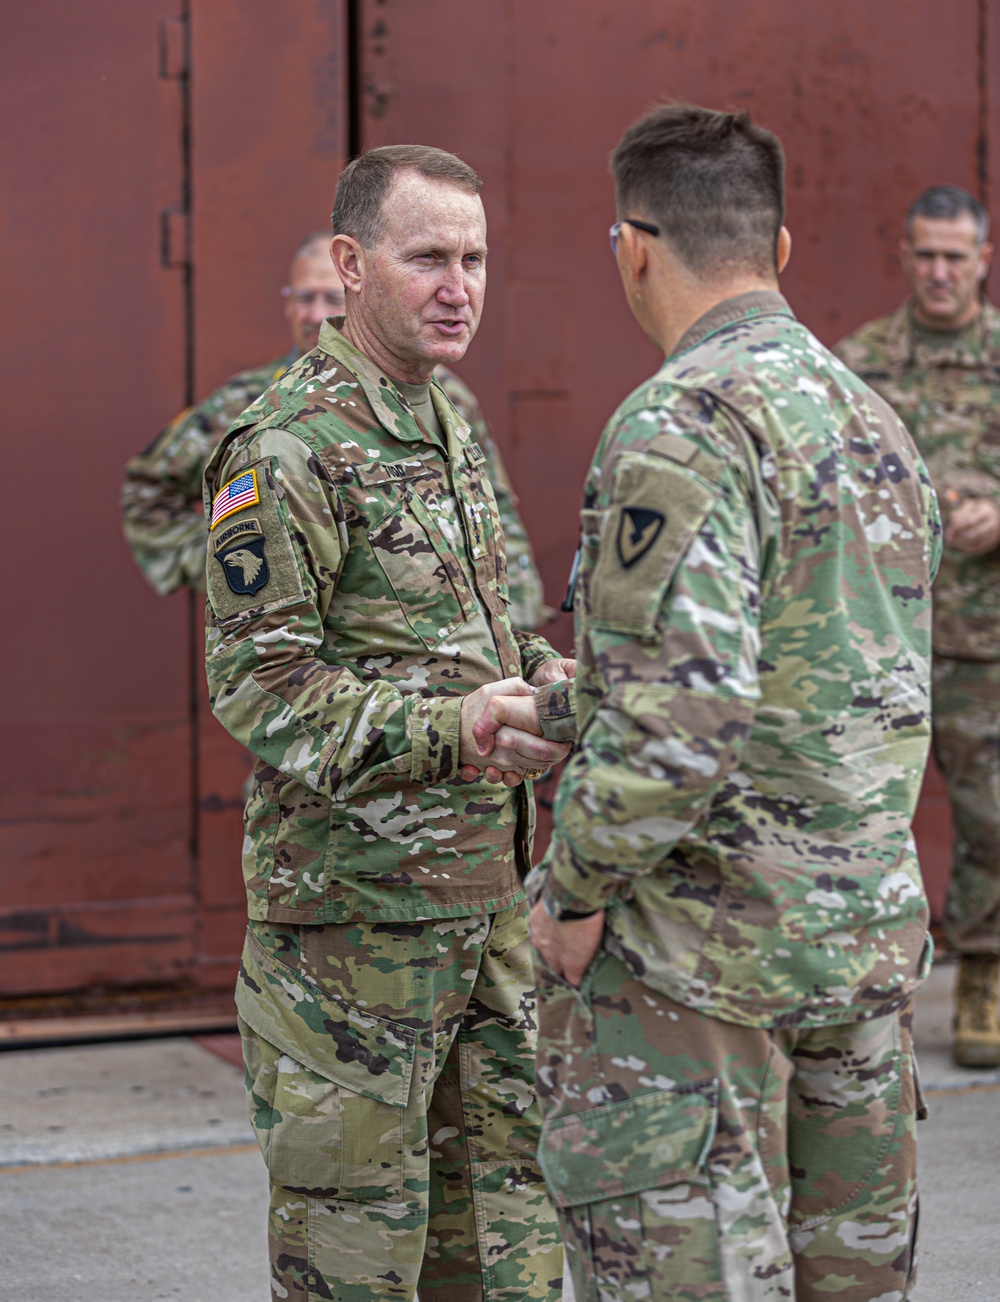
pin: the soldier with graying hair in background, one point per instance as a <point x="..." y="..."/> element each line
<point x="936" y="360"/>
<point x="161" y="497"/>
<point x="358" y="625"/>
<point x="731" y="922"/>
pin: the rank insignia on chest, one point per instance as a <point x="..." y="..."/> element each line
<point x="240" y="552"/>
<point x="638" y="530"/>
<point x="238" y="494"/>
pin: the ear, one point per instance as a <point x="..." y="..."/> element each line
<point x="784" y="250"/>
<point x="633" y="257"/>
<point x="349" y="259"/>
<point x="985" y="257"/>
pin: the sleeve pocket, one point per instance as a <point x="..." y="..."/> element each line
<point x="656" y="510"/>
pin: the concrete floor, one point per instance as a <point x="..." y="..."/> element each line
<point x="128" y="1173"/>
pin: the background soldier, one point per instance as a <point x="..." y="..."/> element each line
<point x="357" y="628"/>
<point x="936" y="360"/>
<point x="727" y="1087"/>
<point x="161" y="497"/>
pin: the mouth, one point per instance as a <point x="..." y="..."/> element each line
<point x="450" y="329"/>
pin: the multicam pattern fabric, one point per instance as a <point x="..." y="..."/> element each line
<point x="390" y="1083"/>
<point x="944" y="387"/>
<point x="692" y="1159"/>
<point x="161" y="497"/>
<point x="527" y="597"/>
<point x="344" y="670"/>
<point x="966" y="729"/>
<point x="753" y="637"/>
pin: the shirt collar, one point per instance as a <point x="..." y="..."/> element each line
<point x="742" y="307"/>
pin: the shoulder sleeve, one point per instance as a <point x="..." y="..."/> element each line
<point x="276" y="546"/>
<point x="668" y="608"/>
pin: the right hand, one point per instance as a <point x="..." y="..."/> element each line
<point x="517" y="748"/>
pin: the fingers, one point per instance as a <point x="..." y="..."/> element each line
<point x="523" y="750"/>
<point x="519" y="711"/>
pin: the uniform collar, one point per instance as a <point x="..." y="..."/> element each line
<point x="975" y="345"/>
<point x="742" y="307"/>
<point x="390" y="408"/>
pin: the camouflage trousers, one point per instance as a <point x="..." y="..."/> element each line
<point x="966" y="719"/>
<point x="690" y="1158"/>
<point x="390" y="1084"/>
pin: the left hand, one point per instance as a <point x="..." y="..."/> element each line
<point x="974" y="526"/>
<point x="553" y="671"/>
<point x="567" y="947"/>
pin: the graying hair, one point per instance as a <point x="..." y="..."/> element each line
<point x="367" y="179"/>
<point x="945" y="203"/>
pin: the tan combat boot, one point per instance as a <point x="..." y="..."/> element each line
<point x="977" y="1030"/>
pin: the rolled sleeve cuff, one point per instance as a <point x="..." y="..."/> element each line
<point x="556" y="705"/>
<point x="434" y="739"/>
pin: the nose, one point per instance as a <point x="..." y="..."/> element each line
<point x="452" y="289"/>
<point x="317" y="310"/>
<point x="941" y="269"/>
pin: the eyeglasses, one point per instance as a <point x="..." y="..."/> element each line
<point x="616" y="230"/>
<point x="331" y="298"/>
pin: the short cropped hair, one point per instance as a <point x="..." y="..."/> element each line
<point x="713" y="182"/>
<point x="367" y="179"/>
<point x="946" y="202"/>
<point x="311" y="244"/>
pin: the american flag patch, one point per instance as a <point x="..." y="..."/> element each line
<point x="234" y="496"/>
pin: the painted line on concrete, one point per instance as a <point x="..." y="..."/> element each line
<point x="219" y="1150"/>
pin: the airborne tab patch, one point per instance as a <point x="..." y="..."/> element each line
<point x="638" y="529"/>
<point x="238" y="494"/>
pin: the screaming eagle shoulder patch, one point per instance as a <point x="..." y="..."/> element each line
<point x="240" y="551"/>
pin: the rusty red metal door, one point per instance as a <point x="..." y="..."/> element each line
<point x="161" y="161"/>
<point x="872" y="102"/>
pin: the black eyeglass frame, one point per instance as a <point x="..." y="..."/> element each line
<point x="616" y="230"/>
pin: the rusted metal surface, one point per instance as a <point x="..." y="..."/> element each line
<point x="151" y="197"/>
<point x="872" y="102"/>
<point x="159" y="174"/>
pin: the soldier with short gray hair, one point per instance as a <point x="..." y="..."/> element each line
<point x="731" y="923"/>
<point x="358" y="624"/>
<point x="936" y="360"/>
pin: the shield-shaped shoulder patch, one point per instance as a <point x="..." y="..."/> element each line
<point x="638" y="529"/>
<point x="245" y="565"/>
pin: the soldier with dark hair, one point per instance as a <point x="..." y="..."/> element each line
<point x="936" y="360"/>
<point x="731" y="922"/>
<point x="358" y="625"/>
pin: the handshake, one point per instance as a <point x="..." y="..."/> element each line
<point x="501" y="737"/>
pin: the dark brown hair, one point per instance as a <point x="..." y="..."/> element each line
<point x="367" y="179"/>
<point x="713" y="182"/>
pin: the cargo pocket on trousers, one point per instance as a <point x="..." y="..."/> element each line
<point x="328" y="1085"/>
<point x="631" y="1183"/>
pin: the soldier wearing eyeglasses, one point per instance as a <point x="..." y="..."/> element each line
<point x="161" y="497"/>
<point x="730" y="922"/>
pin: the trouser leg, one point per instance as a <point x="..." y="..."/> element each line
<point x="493" y="1234"/>
<point x="852" y="1114"/>
<point x="967" y="748"/>
<point x="662" y="1143"/>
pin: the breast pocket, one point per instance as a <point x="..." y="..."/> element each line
<point x="416" y="549"/>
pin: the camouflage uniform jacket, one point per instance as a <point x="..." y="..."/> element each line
<point x="753" y="635"/>
<point x="161" y="497"/>
<point x="945" y="387"/>
<point x="357" y="591"/>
